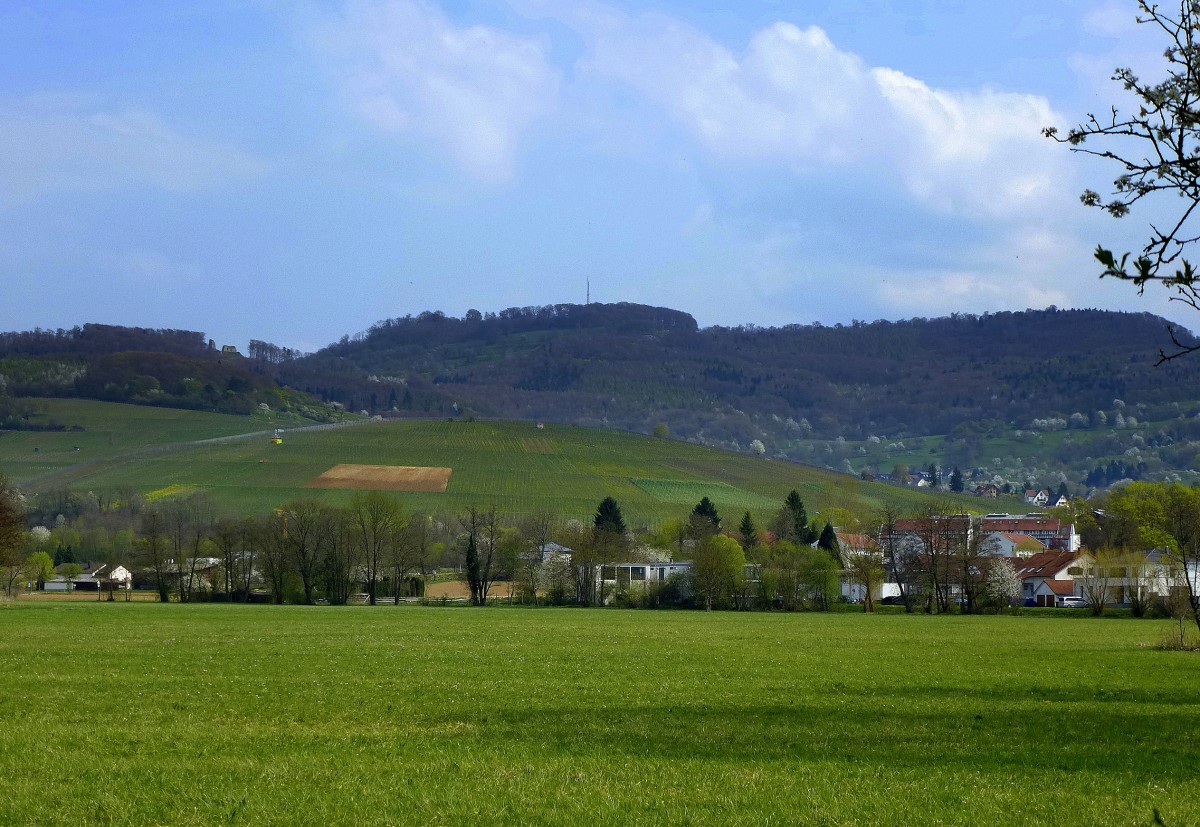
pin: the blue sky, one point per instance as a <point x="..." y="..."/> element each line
<point x="296" y="171"/>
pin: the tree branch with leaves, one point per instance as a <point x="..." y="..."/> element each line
<point x="1157" y="149"/>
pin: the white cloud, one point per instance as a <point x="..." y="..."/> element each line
<point x="56" y="144"/>
<point x="407" y="69"/>
<point x="1112" y="19"/>
<point x="793" y="97"/>
<point x="942" y="293"/>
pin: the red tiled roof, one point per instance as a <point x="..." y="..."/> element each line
<point x="1060" y="587"/>
<point x="1022" y="539"/>
<point x="1021" y="524"/>
<point x="1045" y="564"/>
<point x="857" y="540"/>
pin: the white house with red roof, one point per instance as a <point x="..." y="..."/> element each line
<point x="1048" y="566"/>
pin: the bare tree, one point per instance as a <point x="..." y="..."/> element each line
<point x="935" y="527"/>
<point x="273" y="552"/>
<point x="307" y="534"/>
<point x="377" y="518"/>
<point x="199" y="515"/>
<point x="12" y="536"/>
<point x="232" y="538"/>
<point x="865" y="567"/>
<point x="966" y="560"/>
<point x="226" y="536"/>
<point x="901" y="554"/>
<point x="1096" y="578"/>
<point x="536" y="532"/>
<point x="481" y="544"/>
<point x="152" y="551"/>
<point x="341" y="557"/>
<point x="408" y="552"/>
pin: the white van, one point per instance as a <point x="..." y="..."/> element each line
<point x="1070" y="601"/>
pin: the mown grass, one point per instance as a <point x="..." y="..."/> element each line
<point x="201" y="714"/>
<point x="512" y="465"/>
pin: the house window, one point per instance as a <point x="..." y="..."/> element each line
<point x="1075" y="571"/>
<point x="608" y="573"/>
<point x="637" y="573"/>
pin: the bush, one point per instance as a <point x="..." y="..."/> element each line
<point x="1179" y="640"/>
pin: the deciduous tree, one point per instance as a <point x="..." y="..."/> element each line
<point x="377" y="518"/>
<point x="717" y="565"/>
<point x="1003" y="586"/>
<point x="152" y="551"/>
<point x="481" y="543"/>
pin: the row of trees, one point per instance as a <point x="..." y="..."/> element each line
<point x="305" y="550"/>
<point x="310" y="550"/>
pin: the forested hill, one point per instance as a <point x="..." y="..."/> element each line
<point x="162" y="367"/>
<point x="633" y="366"/>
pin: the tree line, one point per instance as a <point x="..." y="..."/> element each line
<point x="312" y="551"/>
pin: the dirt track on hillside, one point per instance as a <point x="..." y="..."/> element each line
<point x="383" y="478"/>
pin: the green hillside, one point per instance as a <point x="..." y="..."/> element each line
<point x="515" y="466"/>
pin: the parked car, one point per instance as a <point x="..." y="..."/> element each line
<point x="1070" y="602"/>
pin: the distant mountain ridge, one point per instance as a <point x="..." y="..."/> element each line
<point x="640" y="368"/>
<point x="633" y="366"/>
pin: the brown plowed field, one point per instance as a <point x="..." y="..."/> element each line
<point x="383" y="478"/>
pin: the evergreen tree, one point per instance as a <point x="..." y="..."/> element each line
<point x="792" y="523"/>
<point x="749" y="532"/>
<point x="609" y="518"/>
<point x="474" y="570"/>
<point x="956" y="480"/>
<point x="707" y="511"/>
<point x="828" y="541"/>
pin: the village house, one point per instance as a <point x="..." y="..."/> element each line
<point x="1011" y="544"/>
<point x="852" y="545"/>
<point x="101" y="577"/>
<point x="1049" y="531"/>
<point x="1053" y="567"/>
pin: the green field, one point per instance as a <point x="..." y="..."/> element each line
<point x="207" y="714"/>
<point x="512" y="465"/>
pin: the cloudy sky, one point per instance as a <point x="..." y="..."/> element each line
<point x="296" y="171"/>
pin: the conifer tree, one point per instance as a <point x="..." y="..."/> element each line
<point x="608" y="517"/>
<point x="828" y="541"/>
<point x="792" y="522"/>
<point x="749" y="532"/>
<point x="707" y="511"/>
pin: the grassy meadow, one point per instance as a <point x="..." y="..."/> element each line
<point x="512" y="465"/>
<point x="117" y="713"/>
